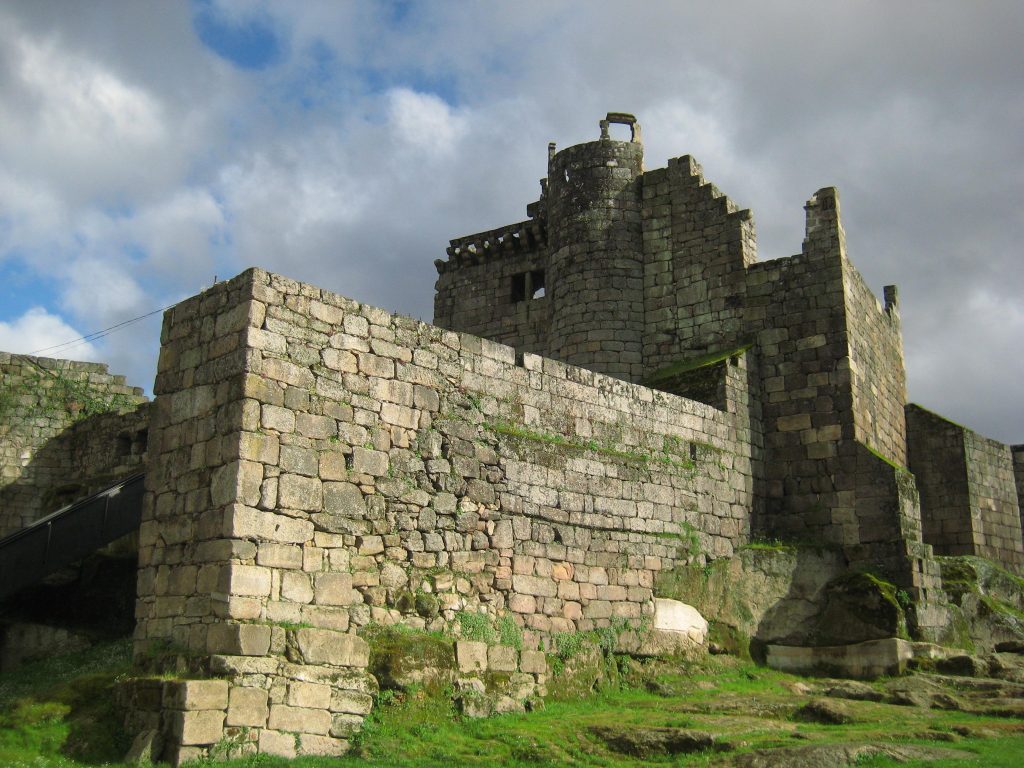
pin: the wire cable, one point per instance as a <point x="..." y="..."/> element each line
<point x="64" y="346"/>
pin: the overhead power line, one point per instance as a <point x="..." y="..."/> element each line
<point x="65" y="346"/>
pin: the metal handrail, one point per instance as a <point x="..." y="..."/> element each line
<point x="69" y="534"/>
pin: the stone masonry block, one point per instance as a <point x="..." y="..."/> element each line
<point x="245" y="580"/>
<point x="277" y="743"/>
<point x="300" y="492"/>
<point x="352" y="702"/>
<point x="471" y="656"/>
<point x="325" y="646"/>
<point x="204" y="726"/>
<point x="369" y="462"/>
<point x="534" y="585"/>
<point x="502" y="658"/>
<point x="533" y="662"/>
<point x="299" y="719"/>
<point x="247" y="707"/>
<point x="344" y="724"/>
<point x="312" y="695"/>
<point x="195" y="694"/>
<point x="335" y="589"/>
<point x="323" y="746"/>
<point x="238" y="639"/>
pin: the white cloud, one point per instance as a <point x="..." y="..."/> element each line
<point x="39" y="332"/>
<point x="137" y="164"/>
<point x="103" y="290"/>
<point x="425" y="122"/>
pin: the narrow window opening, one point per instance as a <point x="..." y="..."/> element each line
<point x="537" y="278"/>
<point x="519" y="287"/>
<point x="527" y="285"/>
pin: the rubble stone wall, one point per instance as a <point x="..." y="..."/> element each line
<point x="51" y="409"/>
<point x="317" y="463"/>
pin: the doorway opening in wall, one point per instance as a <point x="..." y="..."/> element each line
<point x="527" y="286"/>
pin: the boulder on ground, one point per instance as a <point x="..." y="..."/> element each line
<point x="678" y="630"/>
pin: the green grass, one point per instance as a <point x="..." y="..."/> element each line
<point x="59" y="714"/>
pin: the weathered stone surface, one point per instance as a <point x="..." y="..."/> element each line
<point x="277" y="743"/>
<point x="247" y="707"/>
<point x="196" y="727"/>
<point x="145" y="749"/>
<point x="656" y="742"/>
<point x="824" y="711"/>
<point x="196" y="694"/>
<point x="471" y="656"/>
<point x="238" y="640"/>
<point x="324" y="646"/>
<point x="299" y="719"/>
<point x="874" y="658"/>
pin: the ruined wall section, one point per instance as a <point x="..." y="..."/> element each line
<point x="488" y="286"/>
<point x="936" y="456"/>
<point x="968" y="490"/>
<point x="698" y="245"/>
<point x="50" y="409"/>
<point x="993" y="495"/>
<point x="822" y="483"/>
<point x="877" y="371"/>
<point x="795" y="306"/>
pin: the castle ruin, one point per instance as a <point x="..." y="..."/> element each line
<point x="612" y="389"/>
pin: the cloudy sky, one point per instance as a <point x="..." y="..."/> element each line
<point x="146" y="148"/>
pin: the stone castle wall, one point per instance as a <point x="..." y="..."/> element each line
<point x="698" y="245"/>
<point x="321" y="463"/>
<point x="877" y="370"/>
<point x="968" y="489"/>
<point x="1018" y="472"/>
<point x="487" y="286"/>
<point x="596" y="257"/>
<point x="68" y="429"/>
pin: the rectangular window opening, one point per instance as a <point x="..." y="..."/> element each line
<point x="528" y="285"/>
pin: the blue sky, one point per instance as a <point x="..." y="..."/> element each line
<point x="146" y="148"/>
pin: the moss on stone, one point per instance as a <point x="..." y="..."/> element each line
<point x="694" y="363"/>
<point x="401" y="657"/>
<point x="861" y="597"/>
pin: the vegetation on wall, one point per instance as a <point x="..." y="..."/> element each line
<point x="46" y="393"/>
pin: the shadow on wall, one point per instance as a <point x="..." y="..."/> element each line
<point x="772" y="593"/>
<point x="85" y="457"/>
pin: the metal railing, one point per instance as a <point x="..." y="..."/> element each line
<point x="69" y="534"/>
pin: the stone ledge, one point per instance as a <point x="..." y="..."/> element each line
<point x="867" y="660"/>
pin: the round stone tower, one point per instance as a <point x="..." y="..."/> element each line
<point x="595" y="270"/>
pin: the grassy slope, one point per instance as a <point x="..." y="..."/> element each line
<point x="61" y="707"/>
